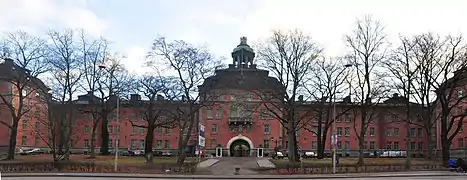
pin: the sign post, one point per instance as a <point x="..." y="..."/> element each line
<point x="201" y="140"/>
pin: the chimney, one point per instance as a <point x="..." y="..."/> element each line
<point x="300" y="98"/>
<point x="8" y="62"/>
<point x="347" y="99"/>
<point x="160" y="97"/>
<point x="135" y="97"/>
<point x="395" y="95"/>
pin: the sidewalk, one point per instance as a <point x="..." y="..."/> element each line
<point x="170" y="176"/>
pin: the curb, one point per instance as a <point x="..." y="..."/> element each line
<point x="136" y="176"/>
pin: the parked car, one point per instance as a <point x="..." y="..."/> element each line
<point x="34" y="151"/>
<point x="309" y="154"/>
<point x="279" y="155"/>
<point x="138" y="153"/>
<point x="394" y="154"/>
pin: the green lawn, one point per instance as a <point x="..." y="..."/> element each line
<point x="351" y="161"/>
<point x="130" y="160"/>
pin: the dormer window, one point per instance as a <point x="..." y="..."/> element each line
<point x="459" y="94"/>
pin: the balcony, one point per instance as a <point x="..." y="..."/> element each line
<point x="240" y="120"/>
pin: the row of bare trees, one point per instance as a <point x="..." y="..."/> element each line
<point x="72" y="64"/>
<point x="425" y="69"/>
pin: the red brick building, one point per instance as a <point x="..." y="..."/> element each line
<point x="34" y="104"/>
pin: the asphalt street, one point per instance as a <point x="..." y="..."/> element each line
<point x="103" y="178"/>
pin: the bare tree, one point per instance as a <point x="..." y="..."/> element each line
<point x="449" y="85"/>
<point x="65" y="65"/>
<point x="368" y="45"/>
<point x="157" y="109"/>
<point x="24" y="62"/>
<point x="93" y="53"/>
<point x="289" y="57"/>
<point x="326" y="84"/>
<point x="403" y="71"/>
<point x="115" y="82"/>
<point x="192" y="65"/>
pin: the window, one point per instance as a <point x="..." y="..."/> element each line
<point x="240" y="128"/>
<point x="248" y="127"/>
<point x="372" y="131"/>
<point x="339" y="131"/>
<point x="266" y="143"/>
<point x="221" y="97"/>
<point x="209" y="113"/>
<point x="86" y="143"/>
<point x="389" y="145"/>
<point x="365" y="145"/>
<point x="117" y="127"/>
<point x="141" y="144"/>
<point x="460" y="142"/>
<point x="347" y="131"/>
<point x="412" y="132"/>
<point x="396" y="132"/>
<point x="314" y="145"/>
<point x="167" y="131"/>
<point x="110" y="128"/>
<point x="38" y="113"/>
<point x="167" y="144"/>
<point x="213" y="143"/>
<point x="459" y="94"/>
<point x="396" y="146"/>
<point x="141" y="130"/>
<point x="37" y="126"/>
<point x="37" y="141"/>
<point x="111" y="143"/>
<point x="135" y="130"/>
<point x="314" y="131"/>
<point x="420" y="132"/>
<point x="420" y="145"/>
<point x="388" y="132"/>
<point x="159" y="144"/>
<point x="347" y="117"/>
<point x="372" y="145"/>
<point x="249" y="96"/>
<point x="133" y="144"/>
<point x="231" y="128"/>
<point x="159" y="130"/>
<point x="219" y="113"/>
<point x="214" y="128"/>
<point x="347" y="145"/>
<point x="412" y="145"/>
<point x="86" y="129"/>
<point x="266" y="129"/>
<point x="24" y="140"/>
<point x="339" y="145"/>
<point x="24" y="125"/>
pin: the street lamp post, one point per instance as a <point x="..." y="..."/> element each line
<point x="117" y="143"/>
<point x="334" y="129"/>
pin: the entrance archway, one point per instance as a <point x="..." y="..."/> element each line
<point x="240" y="148"/>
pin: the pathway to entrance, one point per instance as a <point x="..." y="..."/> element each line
<point x="227" y="165"/>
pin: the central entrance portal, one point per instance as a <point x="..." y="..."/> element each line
<point x="239" y="148"/>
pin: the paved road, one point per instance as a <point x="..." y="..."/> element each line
<point x="80" y="178"/>
<point x="227" y="165"/>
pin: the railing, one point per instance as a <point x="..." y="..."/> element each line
<point x="240" y="119"/>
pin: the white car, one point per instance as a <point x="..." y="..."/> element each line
<point x="309" y="155"/>
<point x="279" y="155"/>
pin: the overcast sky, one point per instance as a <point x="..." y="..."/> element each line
<point x="132" y="24"/>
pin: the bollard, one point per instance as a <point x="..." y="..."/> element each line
<point x="237" y="171"/>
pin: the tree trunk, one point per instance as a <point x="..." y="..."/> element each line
<point x="149" y="139"/>
<point x="93" y="140"/>
<point x="291" y="155"/>
<point x="430" y="147"/>
<point x="445" y="144"/>
<point x="12" y="143"/>
<point x="105" y="135"/>
<point x="361" y="141"/>
<point x="185" y="139"/>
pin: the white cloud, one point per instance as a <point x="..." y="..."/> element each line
<point x="134" y="60"/>
<point x="39" y="15"/>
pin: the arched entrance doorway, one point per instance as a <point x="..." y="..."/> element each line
<point x="240" y="148"/>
